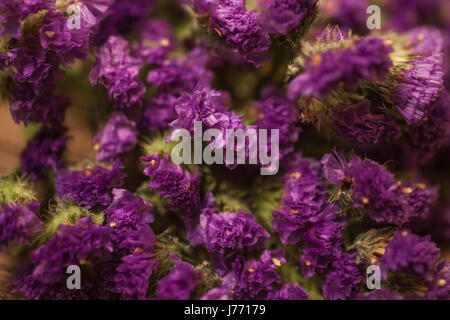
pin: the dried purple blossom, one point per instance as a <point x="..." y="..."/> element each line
<point x="18" y="223"/>
<point x="409" y="253"/>
<point x="155" y="42"/>
<point x="227" y="234"/>
<point x="278" y="112"/>
<point x="241" y="31"/>
<point x="179" y="186"/>
<point x="422" y="85"/>
<point x="366" y="59"/>
<point x="342" y="281"/>
<point x="178" y="76"/>
<point x="282" y="16"/>
<point x="349" y="14"/>
<point x="255" y="279"/>
<point x="157" y="113"/>
<point x="44" y="151"/>
<point x="360" y="123"/>
<point x="333" y="166"/>
<point x="118" y="72"/>
<point x="117" y="137"/>
<point x="406" y="14"/>
<point x="84" y="244"/>
<point x="91" y="186"/>
<point x="180" y="282"/>
<point x="440" y="285"/>
<point x="68" y="44"/>
<point x="425" y="41"/>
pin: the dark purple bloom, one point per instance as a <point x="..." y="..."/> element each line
<point x="278" y="112"/>
<point x="115" y="69"/>
<point x="342" y="281"/>
<point x="255" y="279"/>
<point x="406" y="14"/>
<point x="366" y="59"/>
<point x="349" y="14"/>
<point x="68" y="44"/>
<point x="440" y="285"/>
<point x="362" y="124"/>
<point x="227" y="234"/>
<point x="421" y="198"/>
<point x="43" y="152"/>
<point x="180" y="282"/>
<point x="409" y="253"/>
<point x="241" y="31"/>
<point x="289" y="292"/>
<point x="18" y="223"/>
<point x="90" y="187"/>
<point x="158" y="113"/>
<point x="155" y="42"/>
<point x="422" y="85"/>
<point x="425" y="41"/>
<point x="333" y="166"/>
<point x="179" y="186"/>
<point x="84" y="244"/>
<point x="178" y="76"/>
<point x="282" y="16"/>
<point x="117" y="137"/>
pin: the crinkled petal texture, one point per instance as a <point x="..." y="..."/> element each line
<point x="241" y="30"/>
<point x="366" y="59"/>
<point x="422" y="85"/>
<point x="289" y="292"/>
<point x="440" y="285"/>
<point x="91" y="186"/>
<point x="282" y="16"/>
<point x="360" y="123"/>
<point x="180" y="282"/>
<point x="117" y="137"/>
<point x="18" y="223"/>
<point x="411" y="254"/>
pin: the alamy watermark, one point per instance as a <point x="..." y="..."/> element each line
<point x="373" y="280"/>
<point x="241" y="146"/>
<point x="374" y="20"/>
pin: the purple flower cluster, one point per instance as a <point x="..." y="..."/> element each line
<point x="366" y="59"/>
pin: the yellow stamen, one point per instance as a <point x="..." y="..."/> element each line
<point x="407" y="190"/>
<point x="50" y="34"/>
<point x="404" y="233"/>
<point x="293" y="211"/>
<point x="96" y="146"/>
<point x="138" y="250"/>
<point x="307" y="262"/>
<point x="112" y="224"/>
<point x="295" y="175"/>
<point x="365" y="200"/>
<point x="153" y="162"/>
<point x="164" y="42"/>
<point x="420" y="186"/>
<point x="276" y="262"/>
<point x="316" y="60"/>
<point x="387" y="42"/>
<point x="218" y="31"/>
<point x="251" y="270"/>
<point x="442" y="282"/>
<point x="420" y="37"/>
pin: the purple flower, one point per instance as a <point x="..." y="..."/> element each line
<point x="178" y="76"/>
<point x="440" y="285"/>
<point x="227" y="234"/>
<point x="422" y="85"/>
<point x="362" y="124"/>
<point x="157" y="113"/>
<point x="68" y="44"/>
<point x="84" y="244"/>
<point x="155" y="42"/>
<point x="282" y="16"/>
<point x="409" y="253"/>
<point x="180" y="187"/>
<point x="180" y="282"/>
<point x="117" y="137"/>
<point x="18" y="222"/>
<point x="91" y="186"/>
<point x="26" y="106"/>
<point x="118" y="72"/>
<point x="278" y="112"/>
<point x="255" y="279"/>
<point x="421" y="198"/>
<point x="128" y="217"/>
<point x="333" y="166"/>
<point x="342" y="281"/>
<point x="289" y="292"/>
<point x="425" y="41"/>
<point x="366" y="59"/>
<point x="349" y="14"/>
<point x="44" y="151"/>
<point x="406" y="14"/>
<point x="131" y="277"/>
<point x="241" y="31"/>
